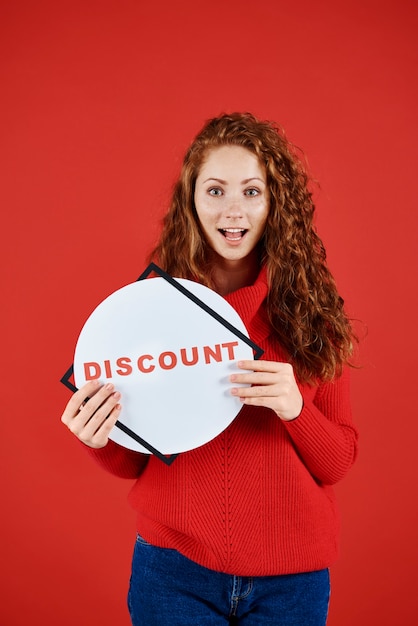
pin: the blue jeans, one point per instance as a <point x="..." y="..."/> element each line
<point x="167" y="589"/>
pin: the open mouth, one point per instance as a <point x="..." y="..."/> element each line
<point x="233" y="234"/>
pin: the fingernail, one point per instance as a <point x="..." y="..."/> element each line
<point x="109" y="386"/>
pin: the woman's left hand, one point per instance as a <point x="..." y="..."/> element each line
<point x="273" y="386"/>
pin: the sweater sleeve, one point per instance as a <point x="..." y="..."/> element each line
<point x="324" y="433"/>
<point x="119" y="460"/>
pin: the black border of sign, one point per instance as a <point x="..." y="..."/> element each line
<point x="152" y="267"/>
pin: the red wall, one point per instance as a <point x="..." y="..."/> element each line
<point x="99" y="101"/>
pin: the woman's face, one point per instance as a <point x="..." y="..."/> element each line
<point x="232" y="203"/>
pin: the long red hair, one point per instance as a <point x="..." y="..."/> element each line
<point x="303" y="304"/>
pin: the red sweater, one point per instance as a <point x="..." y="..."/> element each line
<point x="257" y="500"/>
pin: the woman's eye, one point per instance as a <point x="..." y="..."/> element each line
<point x="251" y="192"/>
<point x="215" y="191"/>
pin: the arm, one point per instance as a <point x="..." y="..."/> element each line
<point x="324" y="433"/>
<point x="90" y="415"/>
<point x="319" y="424"/>
<point x="119" y="460"/>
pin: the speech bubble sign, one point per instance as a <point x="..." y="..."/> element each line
<point x="169" y="346"/>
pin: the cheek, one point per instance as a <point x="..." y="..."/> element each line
<point x="202" y="214"/>
<point x="205" y="211"/>
<point x="262" y="214"/>
<point x="204" y="219"/>
<point x="200" y="204"/>
<point x="262" y="225"/>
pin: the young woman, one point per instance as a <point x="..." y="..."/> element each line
<point x="243" y="529"/>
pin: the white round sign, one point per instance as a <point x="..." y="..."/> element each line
<point x="171" y="360"/>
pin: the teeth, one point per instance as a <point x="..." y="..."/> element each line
<point x="233" y="230"/>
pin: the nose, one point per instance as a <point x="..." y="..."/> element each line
<point x="233" y="209"/>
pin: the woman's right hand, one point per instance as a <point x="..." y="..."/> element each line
<point x="92" y="412"/>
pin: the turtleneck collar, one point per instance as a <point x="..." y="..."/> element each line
<point x="249" y="302"/>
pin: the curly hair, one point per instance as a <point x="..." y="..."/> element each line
<point x="304" y="308"/>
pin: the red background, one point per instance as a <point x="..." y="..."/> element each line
<point x="99" y="101"/>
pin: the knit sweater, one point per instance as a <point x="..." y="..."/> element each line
<point x="257" y="500"/>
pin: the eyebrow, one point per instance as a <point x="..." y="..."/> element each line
<point x="243" y="182"/>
